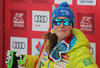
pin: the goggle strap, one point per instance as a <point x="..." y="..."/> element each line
<point x="51" y="59"/>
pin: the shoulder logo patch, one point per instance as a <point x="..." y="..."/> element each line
<point x="87" y="62"/>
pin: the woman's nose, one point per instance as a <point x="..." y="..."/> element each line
<point x="61" y="24"/>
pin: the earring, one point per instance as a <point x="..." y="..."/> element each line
<point x="52" y="31"/>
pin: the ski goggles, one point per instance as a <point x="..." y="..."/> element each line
<point x="66" y="22"/>
<point x="60" y="48"/>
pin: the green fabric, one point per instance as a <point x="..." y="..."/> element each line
<point x="79" y="56"/>
<point x="22" y="61"/>
<point x="10" y="62"/>
<point x="30" y="61"/>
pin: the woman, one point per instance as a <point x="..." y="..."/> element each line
<point x="65" y="46"/>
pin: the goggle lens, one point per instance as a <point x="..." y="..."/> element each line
<point x="61" y="49"/>
<point x="66" y="22"/>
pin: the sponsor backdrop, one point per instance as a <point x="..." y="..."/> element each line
<point x="27" y="20"/>
<point x="36" y="45"/>
<point x="87" y="22"/>
<point x="18" y="44"/>
<point x="40" y="20"/>
<point x="93" y="50"/>
<point x="18" y="19"/>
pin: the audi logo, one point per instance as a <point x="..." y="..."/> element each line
<point x="18" y="45"/>
<point x="41" y="18"/>
<point x="92" y="50"/>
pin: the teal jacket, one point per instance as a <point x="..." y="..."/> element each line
<point x="79" y="55"/>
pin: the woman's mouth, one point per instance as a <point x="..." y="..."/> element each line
<point x="62" y="30"/>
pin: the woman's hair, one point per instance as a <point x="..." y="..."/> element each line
<point x="52" y="41"/>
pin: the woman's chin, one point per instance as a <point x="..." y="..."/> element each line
<point x="61" y="37"/>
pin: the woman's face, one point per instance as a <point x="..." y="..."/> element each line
<point x="62" y="31"/>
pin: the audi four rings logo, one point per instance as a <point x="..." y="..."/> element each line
<point x="18" y="45"/>
<point x="92" y="50"/>
<point x="40" y="18"/>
